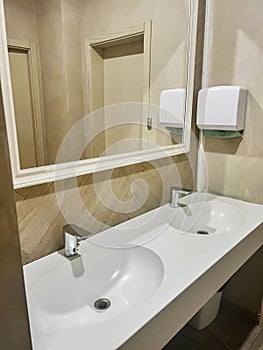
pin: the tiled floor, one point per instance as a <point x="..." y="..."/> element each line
<point x="231" y="330"/>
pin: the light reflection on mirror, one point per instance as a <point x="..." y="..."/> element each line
<point x="69" y="58"/>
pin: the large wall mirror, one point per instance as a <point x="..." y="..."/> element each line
<point x="106" y="79"/>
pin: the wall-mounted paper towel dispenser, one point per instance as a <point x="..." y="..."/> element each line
<point x="221" y="108"/>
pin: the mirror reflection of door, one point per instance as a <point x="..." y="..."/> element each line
<point x="119" y="74"/>
<point x="27" y="105"/>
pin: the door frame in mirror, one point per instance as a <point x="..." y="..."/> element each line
<point x="30" y="49"/>
<point x="50" y="173"/>
<point x="144" y="31"/>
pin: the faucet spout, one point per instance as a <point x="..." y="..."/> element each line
<point x="73" y="234"/>
<point x="176" y="193"/>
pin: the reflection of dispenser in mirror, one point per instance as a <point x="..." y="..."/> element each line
<point x="172" y="111"/>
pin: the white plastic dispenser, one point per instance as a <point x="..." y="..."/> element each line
<point x="222" y="108"/>
<point x="172" y="107"/>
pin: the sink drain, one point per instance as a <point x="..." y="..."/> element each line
<point x="102" y="304"/>
<point x="202" y="232"/>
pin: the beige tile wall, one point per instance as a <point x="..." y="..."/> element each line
<point x="21" y="20"/>
<point x="235" y="166"/>
<point x="60" y="51"/>
<point x="40" y="219"/>
<point x="15" y="332"/>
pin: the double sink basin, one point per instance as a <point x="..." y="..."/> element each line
<point x="124" y="276"/>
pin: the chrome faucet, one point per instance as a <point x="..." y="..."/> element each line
<point x="176" y="193"/>
<point x="73" y="235"/>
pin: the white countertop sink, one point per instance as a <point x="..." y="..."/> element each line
<point x="142" y="266"/>
<point x="208" y="218"/>
<point x="124" y="276"/>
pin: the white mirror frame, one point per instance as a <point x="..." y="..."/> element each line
<point x="49" y="173"/>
